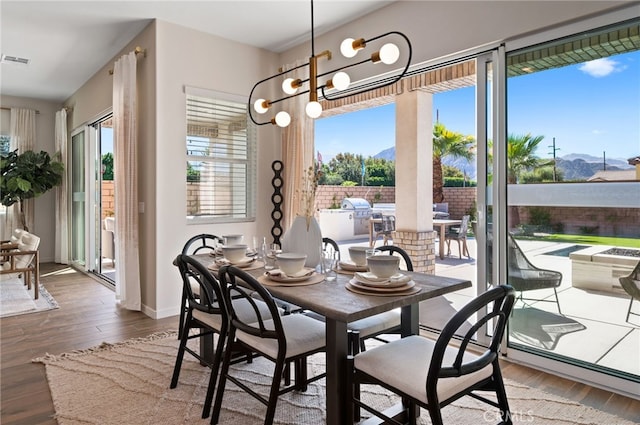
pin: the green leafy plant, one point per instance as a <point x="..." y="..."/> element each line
<point x="27" y="175"/>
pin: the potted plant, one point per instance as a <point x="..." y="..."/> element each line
<point x="27" y="175"/>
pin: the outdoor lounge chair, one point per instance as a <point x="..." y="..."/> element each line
<point x="524" y="276"/>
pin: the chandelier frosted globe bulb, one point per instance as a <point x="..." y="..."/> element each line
<point x="287" y="86"/>
<point x="313" y="109"/>
<point x="346" y="48"/>
<point x="283" y="119"/>
<point x="259" y="106"/>
<point x="389" y="53"/>
<point x="341" y="80"/>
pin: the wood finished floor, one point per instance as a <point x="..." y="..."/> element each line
<point x="88" y="316"/>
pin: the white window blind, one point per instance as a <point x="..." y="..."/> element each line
<point x="221" y="158"/>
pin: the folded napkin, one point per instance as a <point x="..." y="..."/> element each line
<point x="279" y="273"/>
<point x="368" y="277"/>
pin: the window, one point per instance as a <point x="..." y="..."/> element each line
<point x="221" y="158"/>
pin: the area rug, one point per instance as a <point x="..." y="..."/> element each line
<point x="128" y="383"/>
<point x="15" y="299"/>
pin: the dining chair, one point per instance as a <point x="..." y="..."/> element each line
<point x="385" y="227"/>
<point x="631" y="284"/>
<point x="383" y="323"/>
<point x="432" y="374"/>
<point x="330" y="243"/>
<point x="281" y="339"/>
<point x="459" y="234"/>
<point x="207" y="314"/>
<point x="199" y="244"/>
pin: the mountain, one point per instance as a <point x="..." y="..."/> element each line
<point x="574" y="166"/>
<point x="613" y="162"/>
<point x="459" y="163"/>
<point x="579" y="169"/>
<point x="388" y="154"/>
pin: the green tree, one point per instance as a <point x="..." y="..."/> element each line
<point x="193" y="175"/>
<point x="447" y="142"/>
<point x="450" y="171"/>
<point x="542" y="174"/>
<point x="107" y="166"/>
<point x="521" y="155"/>
<point x="347" y="165"/>
<point x="379" y="172"/>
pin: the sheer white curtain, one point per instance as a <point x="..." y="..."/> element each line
<point x="23" y="138"/>
<point x="297" y="150"/>
<point x="62" y="230"/>
<point x="126" y="178"/>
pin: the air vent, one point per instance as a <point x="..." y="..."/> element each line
<point x="14" y="59"/>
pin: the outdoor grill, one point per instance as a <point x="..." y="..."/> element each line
<point x="361" y="214"/>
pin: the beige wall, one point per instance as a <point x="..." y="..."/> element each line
<point x="44" y="224"/>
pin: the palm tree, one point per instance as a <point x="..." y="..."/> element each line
<point x="520" y="158"/>
<point x="521" y="155"/>
<point x="447" y="142"/>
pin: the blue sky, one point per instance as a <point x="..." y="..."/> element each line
<point x="588" y="108"/>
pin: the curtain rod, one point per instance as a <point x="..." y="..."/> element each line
<point x="8" y="109"/>
<point x="137" y="51"/>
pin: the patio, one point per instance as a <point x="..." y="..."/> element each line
<point x="592" y="328"/>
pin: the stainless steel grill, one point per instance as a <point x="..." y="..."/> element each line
<point x="361" y="214"/>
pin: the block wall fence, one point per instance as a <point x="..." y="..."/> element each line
<point x="573" y="220"/>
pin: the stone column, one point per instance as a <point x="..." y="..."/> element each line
<point x="414" y="179"/>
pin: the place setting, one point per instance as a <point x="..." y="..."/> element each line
<point x="382" y="278"/>
<point x="237" y="255"/>
<point x="290" y="271"/>
<point x="357" y="261"/>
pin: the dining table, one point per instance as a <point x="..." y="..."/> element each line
<point x="441" y="225"/>
<point x="340" y="306"/>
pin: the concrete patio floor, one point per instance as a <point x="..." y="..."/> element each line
<point x="591" y="328"/>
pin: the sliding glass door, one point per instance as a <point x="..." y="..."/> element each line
<point x="93" y="206"/>
<point x="573" y="206"/>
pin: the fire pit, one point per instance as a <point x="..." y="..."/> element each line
<point x="600" y="268"/>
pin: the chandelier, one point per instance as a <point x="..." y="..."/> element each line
<point x="332" y="85"/>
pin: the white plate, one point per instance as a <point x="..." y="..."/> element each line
<point x="405" y="286"/>
<point x="369" y="279"/>
<point x="370" y="291"/>
<point x="278" y="276"/>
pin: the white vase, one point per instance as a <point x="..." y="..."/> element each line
<point x="304" y="239"/>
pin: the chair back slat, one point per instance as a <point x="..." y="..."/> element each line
<point x="201" y="244"/>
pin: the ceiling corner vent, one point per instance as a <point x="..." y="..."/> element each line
<point x="14" y="59"/>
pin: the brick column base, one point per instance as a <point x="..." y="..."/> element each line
<point x="421" y="248"/>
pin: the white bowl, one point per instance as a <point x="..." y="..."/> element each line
<point x="383" y="265"/>
<point x="290" y="262"/>
<point x="232" y="239"/>
<point x="358" y="255"/>
<point x="234" y="253"/>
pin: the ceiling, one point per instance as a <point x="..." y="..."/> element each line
<point x="67" y="42"/>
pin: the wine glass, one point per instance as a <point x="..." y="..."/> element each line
<point x="329" y="263"/>
<point x="270" y="256"/>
